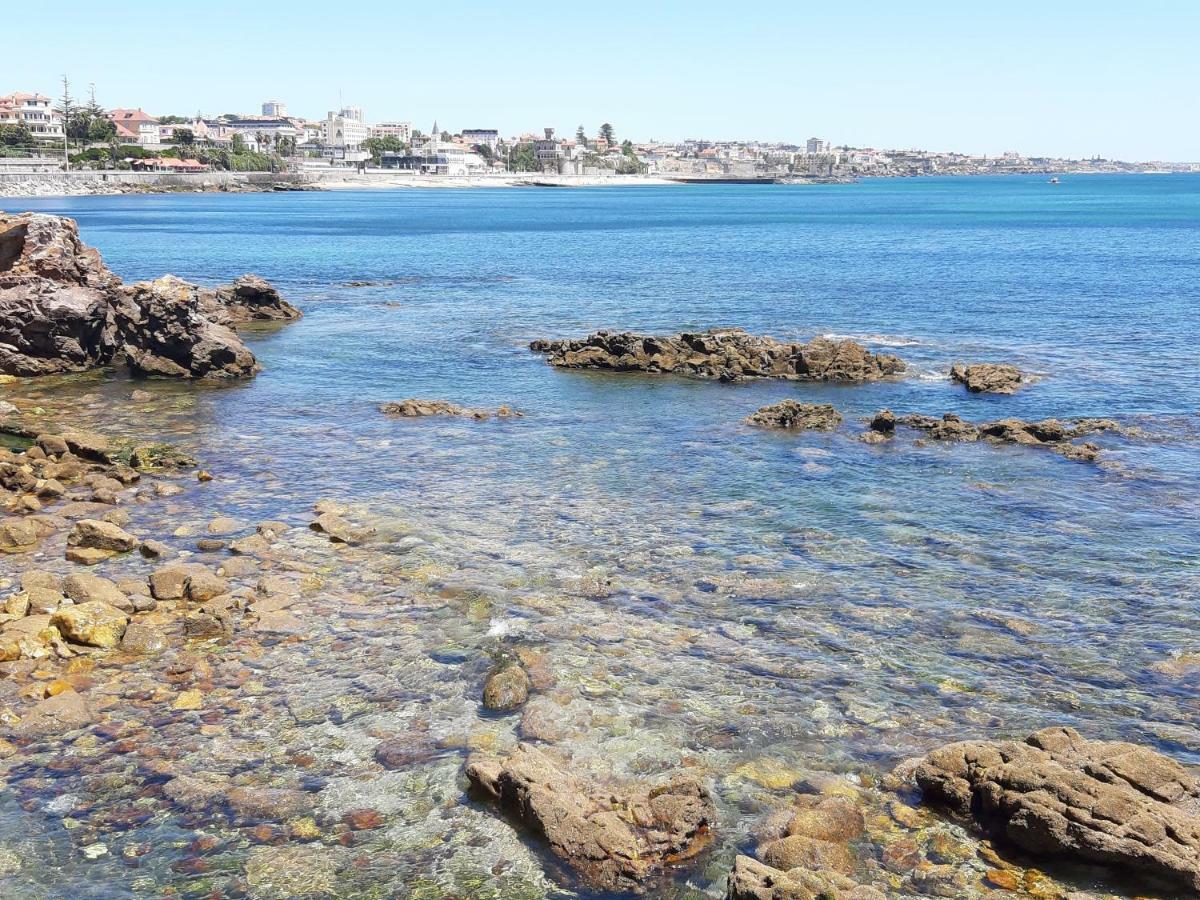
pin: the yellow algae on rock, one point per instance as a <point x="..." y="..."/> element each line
<point x="769" y="773"/>
<point x="192" y="699"/>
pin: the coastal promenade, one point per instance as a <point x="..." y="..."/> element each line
<point x="56" y="184"/>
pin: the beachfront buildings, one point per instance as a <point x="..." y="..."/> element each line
<point x="35" y="112"/>
<point x="481" y="137"/>
<point x="401" y="131"/>
<point x="432" y="157"/>
<point x="262" y="132"/>
<point x="817" y="145"/>
<point x="548" y="150"/>
<point x="345" y="130"/>
<point x="134" y="126"/>
<point x="274" y="109"/>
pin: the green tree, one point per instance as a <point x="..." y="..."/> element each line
<point x="523" y="159"/>
<point x="606" y="132"/>
<point x="101" y="130"/>
<point x="627" y="147"/>
<point x="239" y="143"/>
<point x="377" y="146"/>
<point x="184" y="136"/>
<point x="581" y="136"/>
<point x="16" y="136"/>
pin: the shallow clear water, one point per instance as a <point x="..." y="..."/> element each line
<point x="701" y="589"/>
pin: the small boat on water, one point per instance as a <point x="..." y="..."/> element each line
<point x="1055" y="180"/>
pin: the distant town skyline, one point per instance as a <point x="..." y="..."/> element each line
<point x="1078" y="80"/>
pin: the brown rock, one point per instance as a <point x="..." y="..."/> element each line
<point x="1059" y="794"/>
<point x="796" y="415"/>
<point x="992" y="378"/>
<point x="83" y="587"/>
<point x="141" y="638"/>
<point x="94" y="623"/>
<point x="753" y="880"/>
<point x="276" y="804"/>
<point x="801" y="851"/>
<point x="414" y="408"/>
<point x="507" y="687"/>
<point x="201" y="586"/>
<point x="95" y="534"/>
<point x="830" y="819"/>
<point x="339" y="530"/>
<point x="250" y="298"/>
<point x="616" y="838"/>
<point x="64" y="712"/>
<point x="727" y="354"/>
<point x="167" y="583"/>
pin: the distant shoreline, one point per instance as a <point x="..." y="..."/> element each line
<point x="74" y="184"/>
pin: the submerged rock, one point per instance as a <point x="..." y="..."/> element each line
<point x="616" y="838"/>
<point x="728" y="354"/>
<point x="413" y="408"/>
<point x="94" y="623"/>
<point x="990" y="378"/>
<point x="754" y="880"/>
<point x="796" y="415"/>
<point x="1056" y="793"/>
<point x="507" y="687"/>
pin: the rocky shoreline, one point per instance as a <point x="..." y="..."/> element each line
<point x="119" y="645"/>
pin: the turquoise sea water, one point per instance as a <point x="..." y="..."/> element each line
<point x="805" y="598"/>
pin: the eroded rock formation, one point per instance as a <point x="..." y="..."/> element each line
<point x="414" y="408"/>
<point x="1052" y="434"/>
<point x="728" y="354"/>
<point x="793" y="414"/>
<point x="62" y="310"/>
<point x="1058" y="793"/>
<point x="987" y="378"/>
<point x="618" y="838"/>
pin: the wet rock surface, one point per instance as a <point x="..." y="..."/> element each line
<point x="792" y="414"/>
<point x="726" y="354"/>
<point x="1055" y="435"/>
<point x="615" y="838"/>
<point x="166" y="332"/>
<point x="414" y="408"/>
<point x="62" y="310"/>
<point x="988" y="378"/>
<point x="1057" y="793"/>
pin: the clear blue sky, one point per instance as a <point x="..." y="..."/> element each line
<point x="1058" y="77"/>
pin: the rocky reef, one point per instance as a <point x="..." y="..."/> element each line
<point x="987" y="378"/>
<point x="414" y="408"/>
<point x="727" y="354"/>
<point x="62" y="310"/>
<point x="792" y="414"/>
<point x="618" y="838"/>
<point x="1055" y="435"/>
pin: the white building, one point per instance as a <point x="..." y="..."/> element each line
<point x="481" y="137"/>
<point x="345" y="129"/>
<point x="276" y="109"/>
<point x="548" y="149"/>
<point x="36" y="112"/>
<point x="400" y="130"/>
<point x="817" y="145"/>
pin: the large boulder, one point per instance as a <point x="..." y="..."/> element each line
<point x="55" y="310"/>
<point x="792" y="414"/>
<point x="1056" y="793"/>
<point x="753" y="880"/>
<point x="728" y="354"/>
<point x="63" y="310"/>
<point x="987" y="378"/>
<point x="165" y="332"/>
<point x="251" y="298"/>
<point x="617" y="838"/>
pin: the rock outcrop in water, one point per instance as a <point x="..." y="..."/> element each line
<point x="1051" y="434"/>
<point x="62" y="310"/>
<point x="414" y="408"/>
<point x="1057" y="793"/>
<point x="616" y="839"/>
<point x="792" y="414"/>
<point x="165" y="331"/>
<point x="728" y="354"/>
<point x="55" y="298"/>
<point x="988" y="378"/>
